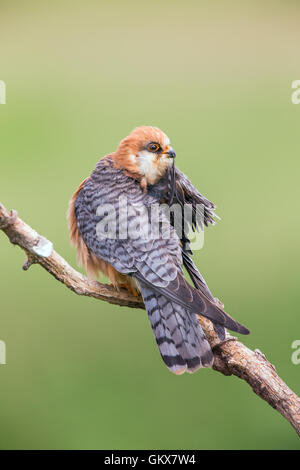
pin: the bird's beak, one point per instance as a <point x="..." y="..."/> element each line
<point x="170" y="152"/>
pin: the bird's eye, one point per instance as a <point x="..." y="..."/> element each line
<point x="153" y="147"/>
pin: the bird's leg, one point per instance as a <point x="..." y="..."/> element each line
<point x="228" y="337"/>
<point x="128" y="286"/>
<point x="132" y="289"/>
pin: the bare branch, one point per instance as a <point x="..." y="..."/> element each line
<point x="231" y="357"/>
<point x="39" y="250"/>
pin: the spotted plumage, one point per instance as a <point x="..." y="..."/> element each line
<point x="142" y="169"/>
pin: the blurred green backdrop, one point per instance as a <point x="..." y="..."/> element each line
<point x="216" y="77"/>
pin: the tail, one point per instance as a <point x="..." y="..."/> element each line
<point x="179" y="336"/>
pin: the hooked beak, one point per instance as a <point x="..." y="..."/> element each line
<point x="170" y="152"/>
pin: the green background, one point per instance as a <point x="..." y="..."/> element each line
<point x="216" y="77"/>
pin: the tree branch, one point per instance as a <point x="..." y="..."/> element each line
<point x="231" y="357"/>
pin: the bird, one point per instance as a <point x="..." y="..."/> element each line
<point x="142" y="171"/>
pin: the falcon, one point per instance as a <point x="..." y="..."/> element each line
<point x="142" y="171"/>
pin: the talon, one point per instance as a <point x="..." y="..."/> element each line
<point x="115" y="286"/>
<point x="226" y="340"/>
<point x="130" y="288"/>
<point x="133" y="291"/>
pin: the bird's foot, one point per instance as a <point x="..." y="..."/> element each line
<point x="133" y="290"/>
<point x="129" y="287"/>
<point x="226" y="340"/>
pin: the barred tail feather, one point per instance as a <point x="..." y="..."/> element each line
<point x="179" y="336"/>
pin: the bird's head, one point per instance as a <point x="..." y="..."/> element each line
<point x="146" y="153"/>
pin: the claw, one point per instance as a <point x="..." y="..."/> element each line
<point x="226" y="340"/>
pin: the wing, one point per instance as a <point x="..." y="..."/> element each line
<point x="199" y="283"/>
<point x="186" y="193"/>
<point x="154" y="261"/>
<point x="181" y="191"/>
